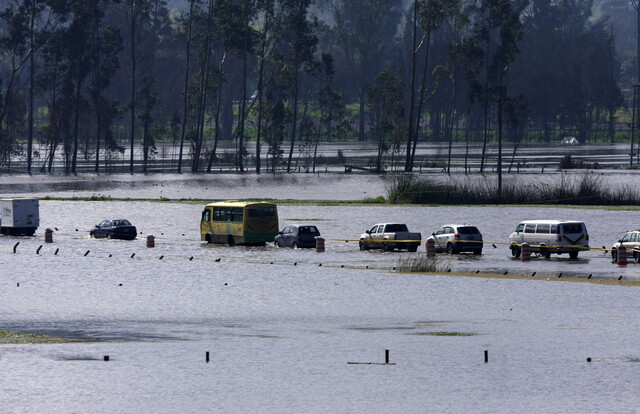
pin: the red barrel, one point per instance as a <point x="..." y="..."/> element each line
<point x="431" y="248"/>
<point x="622" y="255"/>
<point x="525" y="252"/>
<point x="151" y="241"/>
<point x="48" y="236"/>
<point x="319" y="244"/>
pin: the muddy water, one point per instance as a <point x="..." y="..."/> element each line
<point x="281" y="329"/>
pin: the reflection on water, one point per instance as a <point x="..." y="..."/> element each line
<point x="280" y="335"/>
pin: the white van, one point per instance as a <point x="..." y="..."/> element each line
<point x="550" y="236"/>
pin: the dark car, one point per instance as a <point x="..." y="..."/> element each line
<point x="114" y="229"/>
<point x="297" y="236"/>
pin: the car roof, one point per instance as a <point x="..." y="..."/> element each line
<point x="551" y="222"/>
<point x="458" y="225"/>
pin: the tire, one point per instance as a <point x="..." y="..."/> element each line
<point x="515" y="251"/>
<point x="477" y="252"/>
<point x="574" y="255"/>
<point x="294" y="245"/>
<point x="230" y="241"/>
<point x="544" y="252"/>
<point x="451" y="249"/>
<point x="614" y="255"/>
<point x="109" y="236"/>
<point x="363" y="245"/>
<point x="636" y="257"/>
<point x="413" y="248"/>
<point x="207" y="238"/>
<point x="386" y="247"/>
<point x="275" y="244"/>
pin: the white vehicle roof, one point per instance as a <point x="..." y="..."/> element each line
<point x="550" y="221"/>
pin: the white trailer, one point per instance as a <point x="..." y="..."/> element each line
<point x="19" y="216"/>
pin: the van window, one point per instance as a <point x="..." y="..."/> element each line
<point x="571" y="228"/>
<point x="530" y="228"/>
<point x="519" y="228"/>
<point x="543" y="228"/>
<point x="554" y="229"/>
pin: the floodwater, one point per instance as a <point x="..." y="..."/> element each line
<point x="281" y="325"/>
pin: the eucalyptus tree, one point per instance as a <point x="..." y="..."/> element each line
<point x="385" y="96"/>
<point x="298" y="43"/>
<point x="365" y="32"/>
<point x="14" y="53"/>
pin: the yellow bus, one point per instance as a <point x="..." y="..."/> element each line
<point x="236" y="222"/>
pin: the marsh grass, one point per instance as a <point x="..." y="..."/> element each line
<point x="421" y="263"/>
<point x="13" y="337"/>
<point x="448" y="333"/>
<point x="588" y="189"/>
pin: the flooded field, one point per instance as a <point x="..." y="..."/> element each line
<point x="282" y="325"/>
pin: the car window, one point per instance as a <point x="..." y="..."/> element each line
<point x="373" y="229"/>
<point x="530" y="228"/>
<point x="106" y="223"/>
<point x="380" y="229"/>
<point x="440" y="230"/>
<point x="571" y="228"/>
<point x="468" y="230"/>
<point x="308" y="229"/>
<point x="519" y="228"/>
<point x="626" y="237"/>
<point x="543" y="228"/>
<point x="633" y="237"/>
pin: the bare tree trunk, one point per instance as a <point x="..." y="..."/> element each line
<point x="186" y="85"/>
<point x="408" y="165"/>
<point x="133" y="80"/>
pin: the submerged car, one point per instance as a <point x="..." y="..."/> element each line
<point x="631" y="241"/>
<point x="457" y="238"/>
<point x="297" y="236"/>
<point x="114" y="229"/>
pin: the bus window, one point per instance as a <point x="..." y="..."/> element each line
<point x="236" y="214"/>
<point x="206" y="215"/>
<point x="262" y="212"/>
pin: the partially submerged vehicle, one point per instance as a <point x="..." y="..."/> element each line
<point x="458" y="238"/>
<point x="297" y="236"/>
<point x="114" y="229"/>
<point x="390" y="236"/>
<point x="19" y="216"/>
<point x="550" y="236"/>
<point x="239" y="222"/>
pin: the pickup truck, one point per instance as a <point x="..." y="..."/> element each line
<point x="389" y="236"/>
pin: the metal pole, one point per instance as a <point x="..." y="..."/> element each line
<point x="633" y="123"/>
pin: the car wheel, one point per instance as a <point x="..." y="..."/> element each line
<point x="614" y="255"/>
<point x="544" y="252"/>
<point x="515" y="251"/>
<point x="275" y="244"/>
<point x="109" y="236"/>
<point x="294" y="245"/>
<point x="413" y="248"/>
<point x="636" y="257"/>
<point x="574" y="255"/>
<point x="230" y="240"/>
<point x="477" y="252"/>
<point x="386" y="247"/>
<point x="450" y="249"/>
<point x="363" y="245"/>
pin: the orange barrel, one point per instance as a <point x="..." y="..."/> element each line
<point x="622" y="255"/>
<point x="525" y="252"/>
<point x="319" y="244"/>
<point x="151" y="241"/>
<point x="431" y="248"/>
<point x="48" y="236"/>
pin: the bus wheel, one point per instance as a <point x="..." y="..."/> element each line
<point x="231" y="241"/>
<point x="207" y="238"/>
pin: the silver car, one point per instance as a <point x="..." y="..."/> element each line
<point x="631" y="241"/>
<point x="457" y="238"/>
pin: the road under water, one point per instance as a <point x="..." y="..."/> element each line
<point x="281" y="325"/>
